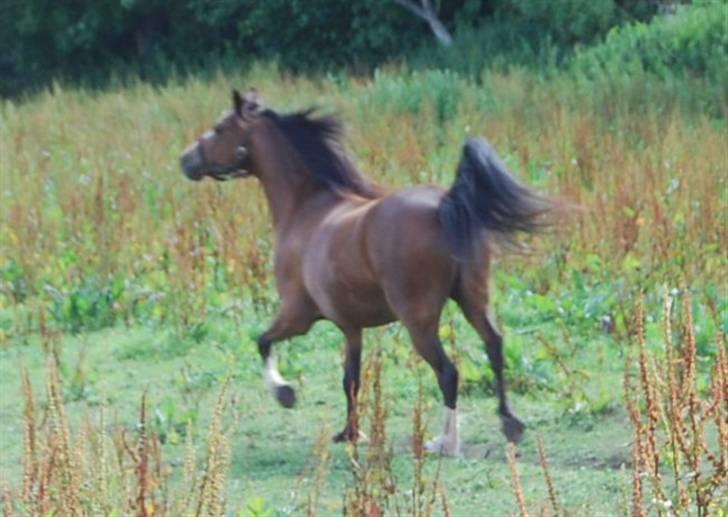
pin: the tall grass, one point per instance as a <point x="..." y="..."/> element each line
<point x="680" y="441"/>
<point x="99" y="225"/>
<point x="97" y="469"/>
<point x="681" y="431"/>
<point x="99" y="228"/>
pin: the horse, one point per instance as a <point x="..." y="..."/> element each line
<point x="351" y="252"/>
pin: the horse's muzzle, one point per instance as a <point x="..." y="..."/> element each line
<point x="191" y="164"/>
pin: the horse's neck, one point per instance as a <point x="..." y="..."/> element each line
<point x="296" y="207"/>
<point x="295" y="199"/>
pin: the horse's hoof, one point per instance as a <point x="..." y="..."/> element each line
<point x="348" y="436"/>
<point x="286" y="396"/>
<point x="512" y="428"/>
<point x="443" y="446"/>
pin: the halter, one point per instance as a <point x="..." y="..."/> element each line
<point x="224" y="173"/>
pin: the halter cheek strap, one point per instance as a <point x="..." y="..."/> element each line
<point x="235" y="170"/>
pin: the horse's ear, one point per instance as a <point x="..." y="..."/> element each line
<point x="252" y="102"/>
<point x="238" y="103"/>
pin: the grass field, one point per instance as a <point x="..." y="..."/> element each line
<point x="137" y="282"/>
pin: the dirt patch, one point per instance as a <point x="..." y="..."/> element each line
<point x="593" y="462"/>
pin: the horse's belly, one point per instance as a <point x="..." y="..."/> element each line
<point x="359" y="308"/>
<point x="348" y="303"/>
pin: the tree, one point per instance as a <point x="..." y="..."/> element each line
<point x="426" y="11"/>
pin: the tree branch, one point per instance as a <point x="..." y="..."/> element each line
<point x="427" y="13"/>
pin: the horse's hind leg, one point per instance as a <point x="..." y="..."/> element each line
<point x="416" y="294"/>
<point x="428" y="345"/>
<point x="474" y="308"/>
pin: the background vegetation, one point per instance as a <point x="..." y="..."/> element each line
<point x="89" y="40"/>
<point x="120" y="281"/>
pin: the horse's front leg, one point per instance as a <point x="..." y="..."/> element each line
<point x="286" y="325"/>
<point x="352" y="368"/>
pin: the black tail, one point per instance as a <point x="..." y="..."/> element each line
<point x="487" y="201"/>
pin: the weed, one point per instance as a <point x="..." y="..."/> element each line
<point x="672" y="421"/>
<point x="322" y="455"/>
<point x="99" y="229"/>
<point x="77" y="474"/>
<point x="515" y="479"/>
<point x="553" y="496"/>
<point x="375" y="489"/>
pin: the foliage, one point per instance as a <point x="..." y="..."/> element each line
<point x="88" y="40"/>
<point x="100" y="233"/>
<point x="93" y="41"/>
<point x="358" y="33"/>
<point x="110" y="470"/>
<point x="693" y="41"/>
<point x="569" y="22"/>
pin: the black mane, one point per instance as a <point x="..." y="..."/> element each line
<point x="318" y="140"/>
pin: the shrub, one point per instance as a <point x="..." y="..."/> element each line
<point x="692" y="41"/>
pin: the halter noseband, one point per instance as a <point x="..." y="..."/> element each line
<point x="224" y="173"/>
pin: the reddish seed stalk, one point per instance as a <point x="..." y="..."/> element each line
<point x="515" y="479"/>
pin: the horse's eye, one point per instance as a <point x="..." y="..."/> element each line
<point x="217" y="130"/>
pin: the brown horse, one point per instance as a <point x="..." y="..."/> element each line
<point x="349" y="252"/>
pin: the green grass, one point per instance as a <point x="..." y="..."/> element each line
<point x="156" y="283"/>
<point x="274" y="449"/>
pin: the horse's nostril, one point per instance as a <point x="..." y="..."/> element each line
<point x="186" y="161"/>
<point x="188" y="167"/>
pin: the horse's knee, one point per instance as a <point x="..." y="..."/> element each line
<point x="282" y="328"/>
<point x="264" y="346"/>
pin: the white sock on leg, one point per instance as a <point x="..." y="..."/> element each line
<point x="448" y="443"/>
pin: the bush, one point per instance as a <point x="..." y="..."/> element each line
<point x="566" y="21"/>
<point x="691" y="41"/>
<point x="87" y="41"/>
<point x="530" y="33"/>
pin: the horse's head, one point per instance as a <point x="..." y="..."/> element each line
<point x="222" y="152"/>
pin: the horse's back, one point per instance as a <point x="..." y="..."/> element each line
<point x="408" y="253"/>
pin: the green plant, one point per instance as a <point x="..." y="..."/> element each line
<point x="97" y="469"/>
<point x="691" y="41"/>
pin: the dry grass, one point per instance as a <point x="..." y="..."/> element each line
<point x="322" y="454"/>
<point x="91" y="191"/>
<point x="674" y="423"/>
<point x="553" y="495"/>
<point x="95" y="180"/>
<point x="99" y="470"/>
<point x="375" y="490"/>
<point x="680" y="447"/>
<point x="516" y="480"/>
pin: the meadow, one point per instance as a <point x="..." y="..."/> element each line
<point x="130" y="299"/>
